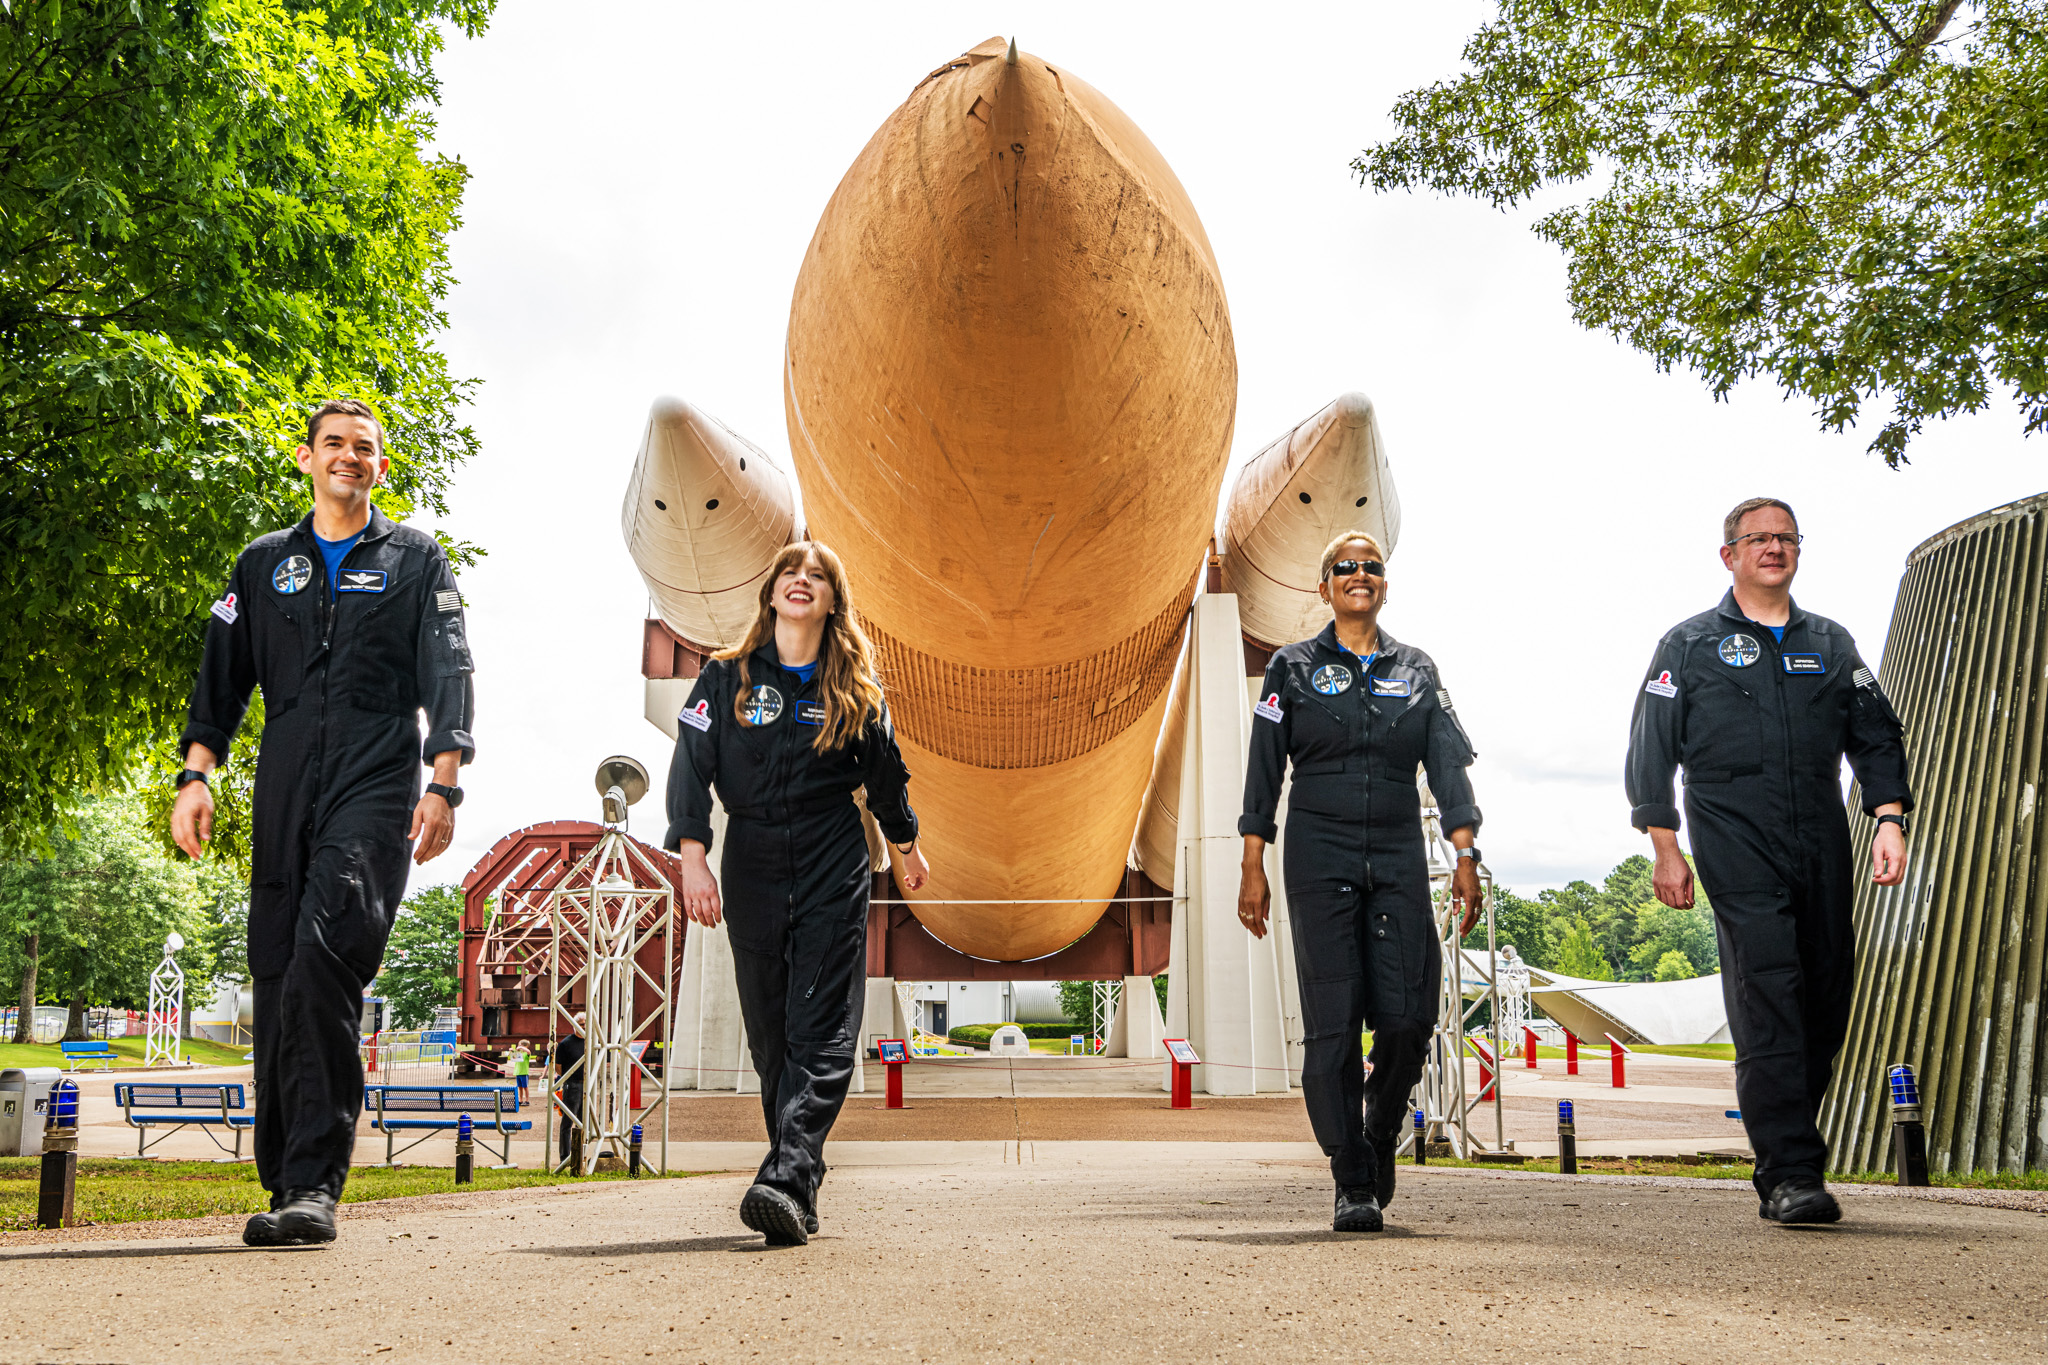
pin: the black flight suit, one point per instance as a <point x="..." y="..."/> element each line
<point x="1761" y="729"/>
<point x="1357" y="874"/>
<point x="344" y="677"/>
<point x="794" y="885"/>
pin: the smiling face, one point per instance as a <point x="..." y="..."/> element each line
<point x="803" y="592"/>
<point x="1358" y="593"/>
<point x="346" y="459"/>
<point x="1760" y="562"/>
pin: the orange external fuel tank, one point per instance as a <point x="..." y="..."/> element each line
<point x="1010" y="384"/>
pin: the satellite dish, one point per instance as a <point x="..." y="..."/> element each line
<point x="621" y="781"/>
<point x="624" y="773"/>
<point x="175" y="943"/>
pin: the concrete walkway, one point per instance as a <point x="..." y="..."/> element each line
<point x="1081" y="1251"/>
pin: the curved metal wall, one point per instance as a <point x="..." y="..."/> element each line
<point x="1949" y="970"/>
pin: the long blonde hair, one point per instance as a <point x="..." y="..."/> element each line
<point x="846" y="657"/>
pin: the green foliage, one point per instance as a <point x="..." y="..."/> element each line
<point x="1674" y="966"/>
<point x="1523" y="923"/>
<point x="1578" y="953"/>
<point x="423" y="960"/>
<point x="1844" y="196"/>
<point x="977" y="1035"/>
<point x="95" y="908"/>
<point x="213" y="214"/>
<point x="1663" y="933"/>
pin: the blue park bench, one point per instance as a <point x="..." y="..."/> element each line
<point x="430" y="1109"/>
<point x="172" y="1105"/>
<point x="80" y="1053"/>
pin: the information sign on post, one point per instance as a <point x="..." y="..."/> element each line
<point x="894" y="1053"/>
<point x="1182" y="1053"/>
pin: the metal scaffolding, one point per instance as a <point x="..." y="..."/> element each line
<point x="1447" y="1107"/>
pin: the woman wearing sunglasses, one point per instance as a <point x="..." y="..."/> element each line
<point x="786" y="725"/>
<point x="1356" y="711"/>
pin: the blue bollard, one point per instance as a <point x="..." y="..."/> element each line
<point x="465" y="1149"/>
<point x="1567" y="1139"/>
<point x="633" y="1152"/>
<point x="1909" y="1134"/>
<point x="1421" y="1140"/>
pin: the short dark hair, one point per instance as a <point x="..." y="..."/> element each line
<point x="344" y="407"/>
<point x="1732" y="523"/>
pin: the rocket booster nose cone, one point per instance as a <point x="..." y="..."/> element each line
<point x="1010" y="58"/>
<point x="1351" y="410"/>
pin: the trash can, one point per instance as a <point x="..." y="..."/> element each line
<point x="25" y="1107"/>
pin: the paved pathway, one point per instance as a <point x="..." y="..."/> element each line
<point x="1083" y="1252"/>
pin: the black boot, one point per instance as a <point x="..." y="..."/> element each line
<point x="306" y="1218"/>
<point x="1800" y="1200"/>
<point x="261" y="1230"/>
<point x="1389" y="1168"/>
<point x="1357" y="1210"/>
<point x="775" y="1215"/>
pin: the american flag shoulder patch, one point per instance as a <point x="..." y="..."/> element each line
<point x="448" y="599"/>
<point x="1863" y="678"/>
<point x="1443" y="696"/>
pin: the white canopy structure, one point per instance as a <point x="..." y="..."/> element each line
<point x="1653" y="1012"/>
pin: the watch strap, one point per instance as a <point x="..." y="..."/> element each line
<point x="190" y="775"/>
<point x="452" y="795"/>
<point x="1889" y="819"/>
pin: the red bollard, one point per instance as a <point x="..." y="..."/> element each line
<point x="633" y="1088"/>
<point x="1620" y="1056"/>
<point x="373" y="1053"/>
<point x="1571" y="1053"/>
<point x="1182" y="1054"/>
<point x="1529" y="1048"/>
<point x="1486" y="1070"/>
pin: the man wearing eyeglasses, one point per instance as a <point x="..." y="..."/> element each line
<point x="1759" y="702"/>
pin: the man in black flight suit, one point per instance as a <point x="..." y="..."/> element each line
<point x="352" y="625"/>
<point x="1759" y="702"/>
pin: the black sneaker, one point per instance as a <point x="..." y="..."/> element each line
<point x="1357" y="1210"/>
<point x="775" y="1215"/>
<point x="306" y="1218"/>
<point x="1800" y="1200"/>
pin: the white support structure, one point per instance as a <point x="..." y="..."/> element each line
<point x="1227" y="992"/>
<point x="162" y="1046"/>
<point x="1138" y="1028"/>
<point x="1451" y="1111"/>
<point x="602" y="918"/>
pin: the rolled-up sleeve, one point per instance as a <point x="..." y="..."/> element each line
<point x="1654" y="736"/>
<point x="227" y="673"/>
<point x="887" y="781"/>
<point x="1876" y="747"/>
<point x="444" y="664"/>
<point x="1449" y="754"/>
<point x="695" y="766"/>
<point x="1266" y="764"/>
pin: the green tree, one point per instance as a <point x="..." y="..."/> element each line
<point x="1524" y="923"/>
<point x="213" y="214"/>
<point x="1674" y="966"/>
<point x="1579" y="953"/>
<point x="84" y="921"/>
<point x="423" y="961"/>
<point x="1662" y="930"/>
<point x="1841" y="195"/>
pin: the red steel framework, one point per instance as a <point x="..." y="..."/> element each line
<point x="507" y="936"/>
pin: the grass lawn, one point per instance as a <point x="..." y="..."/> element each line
<point x="129" y="1050"/>
<point x="1743" y="1171"/>
<point x="111" y="1191"/>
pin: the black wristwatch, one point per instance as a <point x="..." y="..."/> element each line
<point x="190" y="775"/>
<point x="452" y="795"/>
<point x="1898" y="820"/>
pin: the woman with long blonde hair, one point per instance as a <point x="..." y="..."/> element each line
<point x="786" y="725"/>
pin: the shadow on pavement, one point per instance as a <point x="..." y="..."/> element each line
<point x="1301" y="1236"/>
<point x="115" y="1253"/>
<point x="748" y="1241"/>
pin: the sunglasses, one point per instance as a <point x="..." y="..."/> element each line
<point x="1344" y="568"/>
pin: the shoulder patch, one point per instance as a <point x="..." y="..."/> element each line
<point x="1443" y="697"/>
<point x="697" y="717"/>
<point x="1661" y="685"/>
<point x="226" y="610"/>
<point x="447" y="599"/>
<point x="1864" y="678"/>
<point x="1269" y="708"/>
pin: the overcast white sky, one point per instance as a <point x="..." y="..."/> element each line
<point x="646" y="177"/>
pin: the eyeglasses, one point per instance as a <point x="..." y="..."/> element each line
<point x="1344" y="568"/>
<point x="1762" y="539"/>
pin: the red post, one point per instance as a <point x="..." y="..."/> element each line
<point x="1486" y="1070"/>
<point x="373" y="1053"/>
<point x="895" y="1070"/>
<point x="1620" y="1056"/>
<point x="1571" y="1053"/>
<point x="1529" y="1048"/>
<point x="633" y="1087"/>
<point x="1183" y="1086"/>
